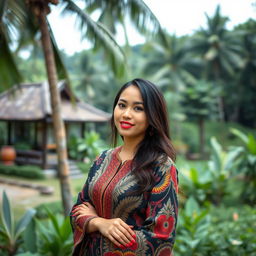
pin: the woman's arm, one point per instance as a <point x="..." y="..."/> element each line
<point x="157" y="233"/>
<point x="116" y="230"/>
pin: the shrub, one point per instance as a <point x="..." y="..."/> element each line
<point x="25" y="171"/>
<point x="11" y="231"/>
<point x="84" y="167"/>
<point x="215" y="231"/>
<point x="54" y="207"/>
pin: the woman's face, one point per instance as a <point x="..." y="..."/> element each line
<point x="129" y="114"/>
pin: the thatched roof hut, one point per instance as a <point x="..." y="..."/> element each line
<point x="27" y="112"/>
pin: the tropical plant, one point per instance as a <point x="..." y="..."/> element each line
<point x="193" y="228"/>
<point x="246" y="164"/>
<point x="211" y="183"/>
<point x="11" y="231"/>
<point x="220" y="166"/>
<point x="54" y="236"/>
<point x="170" y="63"/>
<point x="196" y="183"/>
<point x="215" y="231"/>
<point x="245" y="108"/>
<point x="199" y="103"/>
<point x="220" y="50"/>
<point x="86" y="148"/>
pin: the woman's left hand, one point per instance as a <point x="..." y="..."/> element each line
<point x="84" y="209"/>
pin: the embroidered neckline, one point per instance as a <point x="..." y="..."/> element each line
<point x="117" y="152"/>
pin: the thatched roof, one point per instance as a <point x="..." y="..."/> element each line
<point x="32" y="102"/>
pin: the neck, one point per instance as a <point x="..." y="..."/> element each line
<point x="130" y="145"/>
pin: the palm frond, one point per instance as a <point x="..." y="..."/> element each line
<point x="9" y="73"/>
<point x="145" y="20"/>
<point x="98" y="35"/>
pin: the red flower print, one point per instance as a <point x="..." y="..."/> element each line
<point x="164" y="226"/>
<point x="165" y="252"/>
<point x="134" y="246"/>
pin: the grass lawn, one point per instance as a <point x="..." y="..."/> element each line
<point x="22" y="199"/>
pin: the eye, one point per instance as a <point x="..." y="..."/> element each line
<point x="121" y="105"/>
<point x="138" y="108"/>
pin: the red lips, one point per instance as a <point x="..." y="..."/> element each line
<point x="126" y="125"/>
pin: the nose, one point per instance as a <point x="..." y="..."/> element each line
<point x="127" y="113"/>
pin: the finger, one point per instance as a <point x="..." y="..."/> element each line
<point x="121" y="237"/>
<point x="115" y="242"/>
<point x="128" y="228"/>
<point x="125" y="235"/>
<point x="79" y="216"/>
<point x="76" y="214"/>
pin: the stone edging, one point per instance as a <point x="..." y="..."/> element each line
<point x="44" y="190"/>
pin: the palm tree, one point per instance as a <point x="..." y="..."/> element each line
<point x="28" y="18"/>
<point x="170" y="64"/>
<point x="247" y="77"/>
<point x="220" y="51"/>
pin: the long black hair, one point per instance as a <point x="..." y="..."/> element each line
<point x="156" y="145"/>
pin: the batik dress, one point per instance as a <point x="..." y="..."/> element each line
<point x="153" y="214"/>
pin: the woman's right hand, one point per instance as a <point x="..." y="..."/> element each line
<point x="116" y="230"/>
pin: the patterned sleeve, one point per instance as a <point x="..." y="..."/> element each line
<point x="79" y="226"/>
<point x="157" y="234"/>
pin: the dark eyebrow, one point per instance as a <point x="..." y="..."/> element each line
<point x="135" y="102"/>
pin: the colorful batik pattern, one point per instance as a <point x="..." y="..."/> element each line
<point x="153" y="214"/>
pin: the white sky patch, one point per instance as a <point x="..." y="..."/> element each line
<point x="177" y="17"/>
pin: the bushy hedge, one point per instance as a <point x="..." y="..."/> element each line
<point x="25" y="171"/>
<point x="54" y="207"/>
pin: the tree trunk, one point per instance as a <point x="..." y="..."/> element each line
<point x="58" y="124"/>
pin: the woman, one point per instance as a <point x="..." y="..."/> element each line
<point x="128" y="205"/>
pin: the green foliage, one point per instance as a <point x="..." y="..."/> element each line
<point x="84" y="167"/>
<point x="26" y="171"/>
<point x="54" y="207"/>
<point x="88" y="147"/>
<point x="246" y="164"/>
<point x="211" y="183"/>
<point x="11" y="231"/>
<point x="199" y="100"/>
<point x="193" y="226"/>
<point x="215" y="231"/>
<point x="54" y="236"/>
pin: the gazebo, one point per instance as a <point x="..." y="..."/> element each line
<point x="27" y="113"/>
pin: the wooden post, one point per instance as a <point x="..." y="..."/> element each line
<point x="44" y="144"/>
<point x="35" y="135"/>
<point x="82" y="129"/>
<point x="9" y="133"/>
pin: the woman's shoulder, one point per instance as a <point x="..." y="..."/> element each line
<point x="106" y="153"/>
<point x="165" y="164"/>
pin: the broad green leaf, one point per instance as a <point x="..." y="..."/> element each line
<point x="240" y="135"/>
<point x="216" y="150"/>
<point x="231" y="157"/>
<point x="251" y="144"/>
<point x="194" y="175"/>
<point x="54" y="220"/>
<point x="23" y="222"/>
<point x="191" y="207"/>
<point x="7" y="217"/>
<point x="30" y="237"/>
